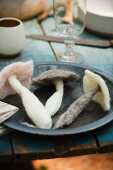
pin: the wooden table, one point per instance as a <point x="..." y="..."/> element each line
<point x="18" y="145"/>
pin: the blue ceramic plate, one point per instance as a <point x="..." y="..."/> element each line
<point x="91" y="118"/>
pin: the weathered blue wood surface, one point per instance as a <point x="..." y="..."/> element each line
<point x="41" y="147"/>
<point x="37" y="51"/>
<point x="80" y="143"/>
<point x="105" y="138"/>
<point x="101" y="58"/>
<point x="5" y="148"/>
<point x="37" y="147"/>
<point x="28" y="146"/>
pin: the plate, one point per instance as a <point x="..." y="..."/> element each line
<point x="99" y="17"/>
<point x="91" y="118"/>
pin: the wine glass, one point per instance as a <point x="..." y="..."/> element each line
<point x="69" y="18"/>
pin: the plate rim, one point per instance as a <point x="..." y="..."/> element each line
<point x="62" y="132"/>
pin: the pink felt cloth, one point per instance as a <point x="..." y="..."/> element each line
<point x="23" y="72"/>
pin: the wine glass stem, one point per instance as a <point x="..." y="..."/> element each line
<point x="69" y="42"/>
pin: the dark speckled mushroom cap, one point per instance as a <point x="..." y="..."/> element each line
<point x="49" y="76"/>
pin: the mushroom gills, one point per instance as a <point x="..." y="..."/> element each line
<point x="34" y="108"/>
<point x="90" y="81"/>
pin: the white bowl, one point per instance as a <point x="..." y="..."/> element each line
<point x="99" y="17"/>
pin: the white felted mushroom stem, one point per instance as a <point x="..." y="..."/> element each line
<point x="54" y="102"/>
<point x="91" y="81"/>
<point x="34" y="108"/>
<point x="23" y="72"/>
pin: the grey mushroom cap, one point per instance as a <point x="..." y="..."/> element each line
<point x="49" y="76"/>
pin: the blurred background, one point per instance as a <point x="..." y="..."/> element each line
<point x="87" y="162"/>
<point x="99" y="18"/>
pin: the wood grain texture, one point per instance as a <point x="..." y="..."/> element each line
<point x="75" y="145"/>
<point x="29" y="147"/>
<point x="6" y="152"/>
<point x="81" y="144"/>
<point x="105" y="138"/>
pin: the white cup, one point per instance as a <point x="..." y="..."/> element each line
<point x="11" y="37"/>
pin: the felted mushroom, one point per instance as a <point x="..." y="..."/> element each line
<point x="23" y="72"/>
<point x="75" y="109"/>
<point x="15" y="78"/>
<point x="95" y="89"/>
<point x="90" y="81"/>
<point x="57" y="77"/>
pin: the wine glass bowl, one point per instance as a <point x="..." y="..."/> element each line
<point x="69" y="18"/>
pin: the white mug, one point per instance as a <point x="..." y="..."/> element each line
<point x="11" y="37"/>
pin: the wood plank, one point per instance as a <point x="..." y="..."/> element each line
<point x="84" y="144"/>
<point x="6" y="153"/>
<point x="75" y="145"/>
<point x="29" y="147"/>
<point x="34" y="49"/>
<point x="105" y="138"/>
